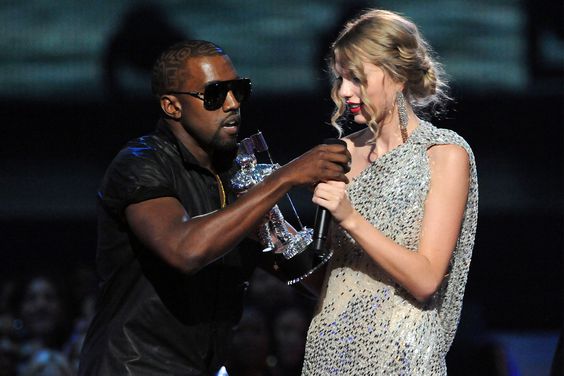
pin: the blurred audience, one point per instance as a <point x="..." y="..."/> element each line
<point x="42" y="303"/>
<point x="42" y="308"/>
<point x="271" y="337"/>
<point x="250" y="345"/>
<point x="84" y="283"/>
<point x="43" y="323"/>
<point x="36" y="320"/>
<point x="556" y="366"/>
<point x="272" y="295"/>
<point x="290" y="331"/>
<point x="46" y="362"/>
<point x="8" y="346"/>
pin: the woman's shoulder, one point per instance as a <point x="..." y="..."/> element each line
<point x="431" y="135"/>
<point x="446" y="145"/>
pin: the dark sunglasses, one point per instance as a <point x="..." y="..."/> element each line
<point x="215" y="92"/>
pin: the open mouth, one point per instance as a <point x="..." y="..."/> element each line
<point x="354" y="107"/>
<point x="231" y="124"/>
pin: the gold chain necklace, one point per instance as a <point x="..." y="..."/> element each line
<point x="222" y="197"/>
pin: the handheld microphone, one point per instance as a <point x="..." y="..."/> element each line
<point x="322" y="215"/>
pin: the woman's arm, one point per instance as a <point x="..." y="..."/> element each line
<point x="421" y="272"/>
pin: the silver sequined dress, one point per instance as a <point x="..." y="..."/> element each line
<point x="366" y="324"/>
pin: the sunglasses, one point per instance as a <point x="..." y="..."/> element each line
<point x="215" y="92"/>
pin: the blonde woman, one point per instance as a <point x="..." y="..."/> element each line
<point x="405" y="224"/>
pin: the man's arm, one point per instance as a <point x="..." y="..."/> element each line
<point x="189" y="244"/>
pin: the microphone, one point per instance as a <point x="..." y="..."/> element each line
<point x="322" y="215"/>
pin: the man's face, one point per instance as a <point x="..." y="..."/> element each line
<point x="212" y="130"/>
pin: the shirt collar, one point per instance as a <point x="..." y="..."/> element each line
<point x="185" y="154"/>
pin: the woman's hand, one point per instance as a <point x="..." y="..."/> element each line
<point x="333" y="197"/>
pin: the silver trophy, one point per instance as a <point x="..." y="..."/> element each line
<point x="274" y="234"/>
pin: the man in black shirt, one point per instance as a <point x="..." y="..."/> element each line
<point x="171" y="245"/>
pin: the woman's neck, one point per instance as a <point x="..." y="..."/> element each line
<point x="389" y="135"/>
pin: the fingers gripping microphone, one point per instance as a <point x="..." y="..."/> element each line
<point x="322" y="215"/>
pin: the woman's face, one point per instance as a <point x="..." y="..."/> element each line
<point x="41" y="308"/>
<point x="380" y="91"/>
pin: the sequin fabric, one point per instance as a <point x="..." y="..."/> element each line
<point x="365" y="323"/>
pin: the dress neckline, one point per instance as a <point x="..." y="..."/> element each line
<point x="387" y="154"/>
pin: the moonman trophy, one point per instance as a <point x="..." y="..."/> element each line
<point x="293" y="256"/>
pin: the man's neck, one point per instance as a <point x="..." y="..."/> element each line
<point x="202" y="155"/>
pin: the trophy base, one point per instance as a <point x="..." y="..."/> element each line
<point x="302" y="265"/>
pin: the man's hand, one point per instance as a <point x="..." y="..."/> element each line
<point x="320" y="164"/>
<point x="189" y="244"/>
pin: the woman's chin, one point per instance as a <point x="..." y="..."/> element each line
<point x="359" y="119"/>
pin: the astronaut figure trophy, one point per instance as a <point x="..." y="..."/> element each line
<point x="291" y="249"/>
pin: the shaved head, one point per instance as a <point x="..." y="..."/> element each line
<point x="170" y="72"/>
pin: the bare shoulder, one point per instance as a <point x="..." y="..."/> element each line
<point x="449" y="158"/>
<point x="448" y="152"/>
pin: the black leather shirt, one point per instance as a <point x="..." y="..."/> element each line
<point x="152" y="319"/>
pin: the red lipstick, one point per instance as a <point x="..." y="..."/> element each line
<point x="354" y="108"/>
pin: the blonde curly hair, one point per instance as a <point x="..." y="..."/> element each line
<point x="393" y="43"/>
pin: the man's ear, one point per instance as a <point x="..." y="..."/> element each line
<point x="171" y="106"/>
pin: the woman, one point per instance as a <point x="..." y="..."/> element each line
<point x="43" y="305"/>
<point x="405" y="224"/>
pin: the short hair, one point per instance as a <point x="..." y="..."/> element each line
<point x="393" y="43"/>
<point x="169" y="73"/>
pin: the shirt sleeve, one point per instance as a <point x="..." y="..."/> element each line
<point x="135" y="175"/>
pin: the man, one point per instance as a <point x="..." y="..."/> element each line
<point x="171" y="252"/>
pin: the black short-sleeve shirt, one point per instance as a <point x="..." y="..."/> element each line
<point x="151" y="318"/>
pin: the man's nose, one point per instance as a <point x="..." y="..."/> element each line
<point x="230" y="103"/>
